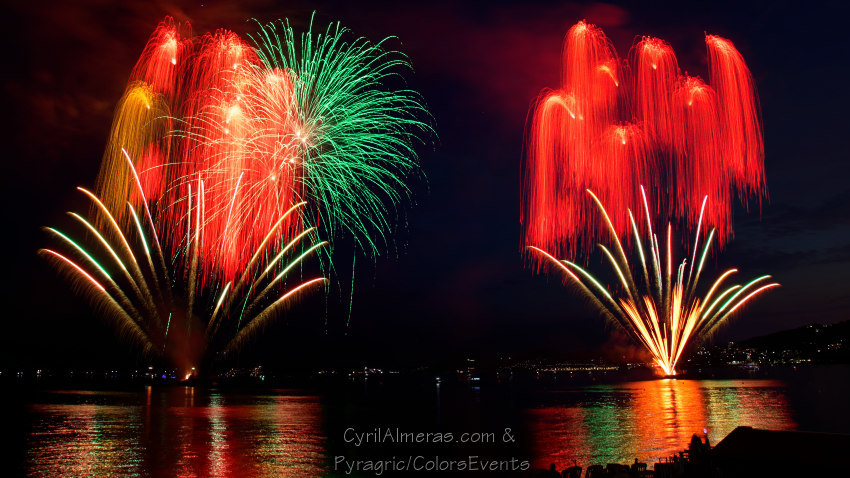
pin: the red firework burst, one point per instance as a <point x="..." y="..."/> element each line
<point x="613" y="125"/>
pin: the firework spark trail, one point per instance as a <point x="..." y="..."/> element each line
<point x="742" y="144"/>
<point x="674" y="131"/>
<point x="656" y="75"/>
<point x="251" y="150"/>
<point x="664" y="314"/>
<point x="159" y="63"/>
<point x="140" y="126"/>
<point x="697" y="144"/>
<point x="102" y="299"/>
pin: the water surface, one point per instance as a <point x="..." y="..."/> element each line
<point x="192" y="431"/>
<point x="176" y="431"/>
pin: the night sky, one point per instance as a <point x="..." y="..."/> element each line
<point x="455" y="284"/>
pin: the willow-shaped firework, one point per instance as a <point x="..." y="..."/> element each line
<point x="658" y="305"/>
<point x="611" y="127"/>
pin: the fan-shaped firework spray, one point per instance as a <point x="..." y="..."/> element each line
<point x="156" y="306"/>
<point x="657" y="304"/>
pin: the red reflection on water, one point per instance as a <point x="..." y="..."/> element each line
<point x="668" y="412"/>
<point x="556" y="442"/>
<point x="269" y="436"/>
<point x="178" y="432"/>
<point x="649" y="420"/>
